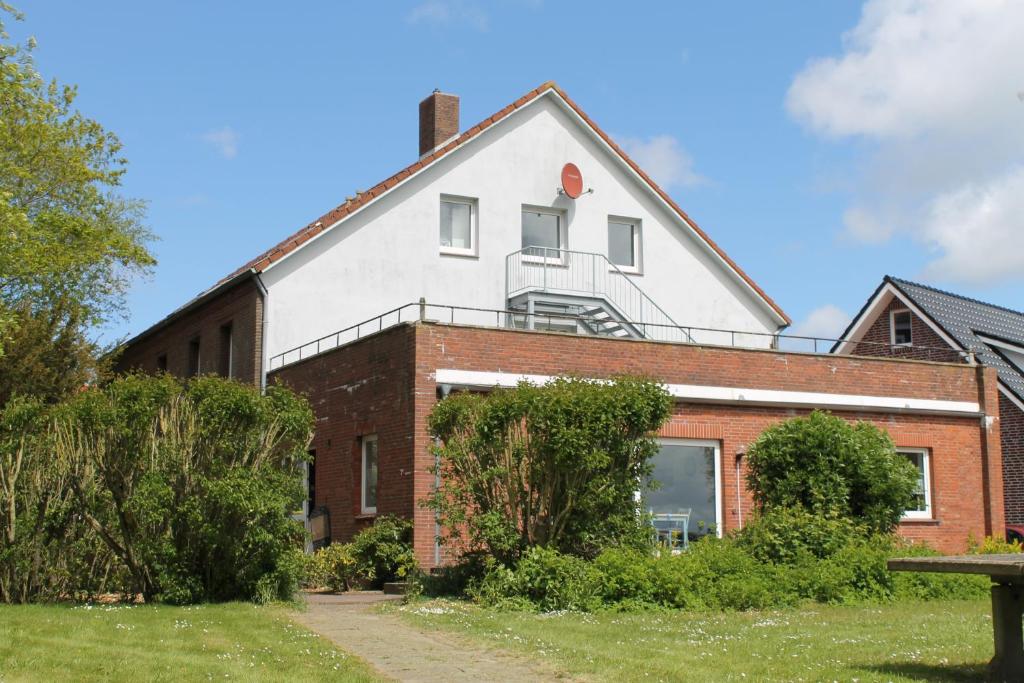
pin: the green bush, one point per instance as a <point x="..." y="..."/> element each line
<point x="334" y="567"/>
<point x="832" y="469"/>
<point x="784" y="534"/>
<point x="383" y="551"/>
<point x="543" y="579"/>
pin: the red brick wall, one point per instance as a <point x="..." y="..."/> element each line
<point x="241" y="307"/>
<point x="1012" y="436"/>
<point x="925" y="343"/>
<point x="365" y="388"/>
<point x="959" y="478"/>
<point x="385" y="384"/>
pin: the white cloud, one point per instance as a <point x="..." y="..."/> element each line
<point x="225" y="140"/>
<point x="825" y="322"/>
<point x="664" y="159"/>
<point x="978" y="229"/>
<point x="442" y="13"/>
<point x="934" y="86"/>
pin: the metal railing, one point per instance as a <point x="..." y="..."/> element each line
<point x="586" y="274"/>
<point x="505" y="318"/>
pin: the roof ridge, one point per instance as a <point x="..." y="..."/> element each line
<point x="953" y="295"/>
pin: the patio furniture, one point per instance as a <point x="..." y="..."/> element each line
<point x="672" y="529"/>
<point x="1007" y="574"/>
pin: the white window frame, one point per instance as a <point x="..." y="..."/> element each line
<point x="473" y="205"/>
<point x="563" y="234"/>
<point x="892" y="326"/>
<point x="926" y="464"/>
<point x="370" y="438"/>
<point x="702" y="443"/>
<point x="637" y="267"/>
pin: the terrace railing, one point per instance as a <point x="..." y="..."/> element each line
<point x="505" y="318"/>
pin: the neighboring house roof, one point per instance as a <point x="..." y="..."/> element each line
<point x="968" y="322"/>
<point x="333" y="217"/>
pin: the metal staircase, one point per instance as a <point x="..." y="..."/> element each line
<point x="582" y="292"/>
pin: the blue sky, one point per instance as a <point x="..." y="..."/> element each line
<point x="823" y="145"/>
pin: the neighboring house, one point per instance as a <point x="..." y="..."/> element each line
<point x="904" y="319"/>
<point x="488" y="261"/>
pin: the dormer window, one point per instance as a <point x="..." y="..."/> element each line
<point x="900" y="326"/>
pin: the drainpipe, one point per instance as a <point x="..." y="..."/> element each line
<point x="265" y="297"/>
<point x="443" y="390"/>
<point x="739" y="490"/>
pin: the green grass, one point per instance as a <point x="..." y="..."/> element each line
<point x="935" y="641"/>
<point x="227" y="642"/>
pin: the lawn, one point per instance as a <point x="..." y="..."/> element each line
<point x="936" y="641"/>
<point x="228" y="642"/>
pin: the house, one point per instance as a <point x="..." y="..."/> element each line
<point x="904" y="319"/>
<point x="530" y="245"/>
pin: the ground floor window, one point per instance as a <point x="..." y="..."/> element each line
<point x="686" y="504"/>
<point x="369" y="477"/>
<point x="922" y="507"/>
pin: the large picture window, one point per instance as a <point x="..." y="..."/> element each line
<point x="922" y="507"/>
<point x="685" y="505"/>
<point x="369" y="478"/>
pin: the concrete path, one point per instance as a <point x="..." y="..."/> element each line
<point x="406" y="653"/>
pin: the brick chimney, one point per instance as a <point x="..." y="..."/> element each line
<point x="439" y="120"/>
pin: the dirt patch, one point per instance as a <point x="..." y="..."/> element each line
<point x="406" y="653"/>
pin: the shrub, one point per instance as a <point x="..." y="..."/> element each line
<point x="991" y="545"/>
<point x="334" y="567"/>
<point x="833" y="469"/>
<point x="782" y="535"/>
<point x="383" y="551"/>
<point x="544" y="579"/>
<point x="553" y="466"/>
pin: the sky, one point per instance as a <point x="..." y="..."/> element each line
<point x="823" y="145"/>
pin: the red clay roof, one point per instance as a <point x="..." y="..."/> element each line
<point x="330" y="218"/>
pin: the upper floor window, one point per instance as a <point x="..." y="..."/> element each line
<point x="368" y="503"/>
<point x="922" y="507"/>
<point x="227" y="352"/>
<point x="543" y="233"/>
<point x="193" y="357"/>
<point x="458" y="226"/>
<point x="900" y="326"/>
<point x="624" y="243"/>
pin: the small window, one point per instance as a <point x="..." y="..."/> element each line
<point x="901" y="334"/>
<point x="161" y="362"/>
<point x="458" y="226"/>
<point x="226" y="360"/>
<point x="193" y="357"/>
<point x="922" y="507"/>
<point x="369" y="478"/>
<point x="624" y="243"/>
<point x="543" y="233"/>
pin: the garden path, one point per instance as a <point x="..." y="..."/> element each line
<point x="406" y="653"/>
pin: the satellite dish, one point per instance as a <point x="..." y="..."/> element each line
<point x="572" y="181"/>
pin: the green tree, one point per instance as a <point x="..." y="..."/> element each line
<point x="70" y="243"/>
<point x="555" y="466"/>
<point x="831" y="468"/>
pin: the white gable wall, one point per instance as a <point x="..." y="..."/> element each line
<point x="388" y="254"/>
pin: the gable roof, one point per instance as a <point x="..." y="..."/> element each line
<point x="339" y="213"/>
<point x="969" y="322"/>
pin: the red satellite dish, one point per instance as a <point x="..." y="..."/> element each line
<point x="572" y="181"/>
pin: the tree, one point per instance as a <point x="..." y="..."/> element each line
<point x="831" y="468"/>
<point x="70" y="244"/>
<point x="556" y="466"/>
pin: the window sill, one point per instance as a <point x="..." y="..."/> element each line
<point x="925" y="521"/>
<point x="365" y="515"/>
<point x="628" y="270"/>
<point x="464" y="253"/>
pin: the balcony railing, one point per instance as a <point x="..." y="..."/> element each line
<point x="503" y="318"/>
<point x="585" y="274"/>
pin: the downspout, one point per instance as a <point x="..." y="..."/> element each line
<point x="265" y="297"/>
<point x="739" y="492"/>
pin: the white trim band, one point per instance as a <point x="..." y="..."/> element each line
<point x="698" y="393"/>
